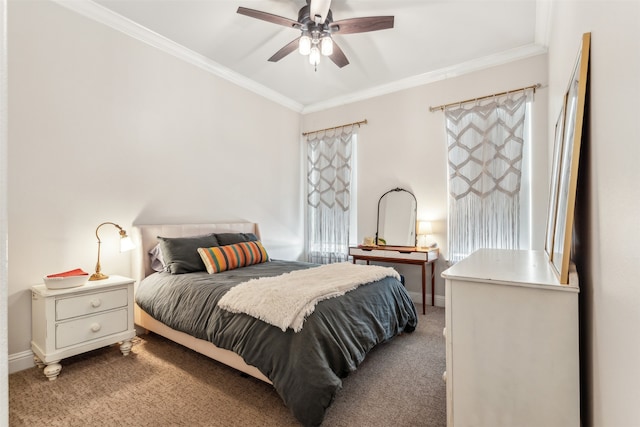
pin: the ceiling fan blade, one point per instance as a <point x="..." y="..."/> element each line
<point x="338" y="56"/>
<point x="286" y="50"/>
<point x="275" y="19"/>
<point x="318" y="10"/>
<point x="361" y="25"/>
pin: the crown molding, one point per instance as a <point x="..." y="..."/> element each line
<point x="118" y="22"/>
<point x="431" y="77"/>
<point x="99" y="13"/>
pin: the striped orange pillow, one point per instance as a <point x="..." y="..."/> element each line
<point x="222" y="258"/>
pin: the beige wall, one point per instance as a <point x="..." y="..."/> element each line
<point x="403" y="145"/>
<point x="608" y="204"/>
<point x="106" y="128"/>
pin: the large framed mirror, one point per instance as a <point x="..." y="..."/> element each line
<point x="396" y="225"/>
<point x="566" y="158"/>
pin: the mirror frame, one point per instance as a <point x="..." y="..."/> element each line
<point x="564" y="177"/>
<point x="415" y="213"/>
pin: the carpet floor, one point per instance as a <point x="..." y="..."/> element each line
<point x="164" y="384"/>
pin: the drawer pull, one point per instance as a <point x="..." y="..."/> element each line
<point x="444" y="332"/>
<point x="96" y="303"/>
<point x="444" y="376"/>
<point x="96" y="327"/>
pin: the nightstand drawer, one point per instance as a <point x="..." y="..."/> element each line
<point x="67" y="308"/>
<point x="90" y="328"/>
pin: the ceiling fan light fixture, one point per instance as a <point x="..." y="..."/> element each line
<point x="314" y="56"/>
<point x="326" y="45"/>
<point x="315" y="21"/>
<point x="304" y="45"/>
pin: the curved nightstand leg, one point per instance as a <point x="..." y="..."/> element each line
<point x="52" y="370"/>
<point x="125" y="347"/>
<point x="39" y="363"/>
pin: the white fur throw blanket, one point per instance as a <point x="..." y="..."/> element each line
<point x="285" y="301"/>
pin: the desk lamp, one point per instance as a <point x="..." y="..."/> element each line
<point x="125" y="245"/>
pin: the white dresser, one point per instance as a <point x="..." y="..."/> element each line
<point x="66" y="322"/>
<point x="511" y="342"/>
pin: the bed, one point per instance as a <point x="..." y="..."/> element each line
<point x="305" y="367"/>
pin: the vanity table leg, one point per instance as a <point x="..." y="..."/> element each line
<point x="433" y="285"/>
<point x="424" y="288"/>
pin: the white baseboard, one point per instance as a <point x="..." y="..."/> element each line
<point x="416" y="297"/>
<point x="21" y="361"/>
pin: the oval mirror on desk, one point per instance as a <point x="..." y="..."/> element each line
<point x="396" y="218"/>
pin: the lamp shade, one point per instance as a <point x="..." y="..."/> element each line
<point x="424" y="227"/>
<point x="126" y="244"/>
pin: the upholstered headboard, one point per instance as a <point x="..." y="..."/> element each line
<point x="146" y="238"/>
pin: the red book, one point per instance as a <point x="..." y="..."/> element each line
<point x="76" y="272"/>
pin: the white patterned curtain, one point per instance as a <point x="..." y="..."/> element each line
<point x="329" y="172"/>
<point x="485" y="149"/>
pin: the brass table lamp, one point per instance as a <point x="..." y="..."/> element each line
<point x="125" y="245"/>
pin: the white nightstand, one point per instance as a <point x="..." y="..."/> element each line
<point x="67" y="322"/>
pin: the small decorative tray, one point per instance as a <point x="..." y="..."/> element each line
<point x="67" y="279"/>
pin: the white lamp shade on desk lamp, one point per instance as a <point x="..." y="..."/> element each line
<point x="424" y="232"/>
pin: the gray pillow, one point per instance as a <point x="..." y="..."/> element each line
<point x="181" y="255"/>
<point x="155" y="258"/>
<point x="225" y="239"/>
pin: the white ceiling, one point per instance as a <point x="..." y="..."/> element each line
<point x="431" y="40"/>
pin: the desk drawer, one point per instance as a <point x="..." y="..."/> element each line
<point x="90" y="328"/>
<point x="80" y="305"/>
<point x="393" y="254"/>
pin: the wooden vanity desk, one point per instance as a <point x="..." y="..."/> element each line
<point x="401" y="255"/>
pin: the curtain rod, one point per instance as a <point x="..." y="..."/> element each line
<point x="361" y="122"/>
<point x="442" y="107"/>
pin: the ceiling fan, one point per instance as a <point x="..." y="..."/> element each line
<point x="316" y="24"/>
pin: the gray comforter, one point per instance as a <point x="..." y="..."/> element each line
<point x="305" y="367"/>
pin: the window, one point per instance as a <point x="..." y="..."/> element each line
<point x="487" y="144"/>
<point x="330" y="194"/>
